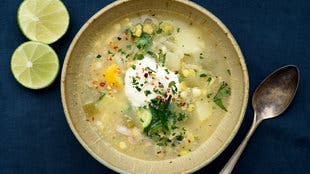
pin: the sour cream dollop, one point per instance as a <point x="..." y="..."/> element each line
<point x="146" y="80"/>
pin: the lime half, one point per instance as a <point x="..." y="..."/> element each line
<point x="43" y="20"/>
<point x="34" y="65"/>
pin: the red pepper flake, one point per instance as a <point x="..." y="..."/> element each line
<point x="146" y="75"/>
<point x="110" y="58"/>
<point x="158" y="97"/>
<point x="150" y="72"/>
<point x="126" y="32"/>
<point x="119" y="38"/>
<point x="115" y="48"/>
<point x="189" y="141"/>
<point x="167" y="77"/>
<point x="132" y="39"/>
<point x="152" y="83"/>
<point x="183" y="104"/>
<point x="102" y="84"/>
<point x="126" y="38"/>
<point x="95" y="82"/>
<point x="173" y="99"/>
<point x="159" y="83"/>
<point x="176" y="72"/>
<point x="138" y="77"/>
<point x="87" y="119"/>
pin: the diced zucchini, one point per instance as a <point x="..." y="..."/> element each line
<point x="90" y="109"/>
<point x="145" y="116"/>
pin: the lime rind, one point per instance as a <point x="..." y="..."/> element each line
<point x="54" y="20"/>
<point x="42" y="75"/>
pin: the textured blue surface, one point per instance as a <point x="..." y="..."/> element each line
<point x="34" y="135"/>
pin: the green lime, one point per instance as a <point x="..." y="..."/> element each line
<point x="34" y="65"/>
<point x="43" y="20"/>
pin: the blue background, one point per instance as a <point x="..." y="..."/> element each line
<point x="35" y="137"/>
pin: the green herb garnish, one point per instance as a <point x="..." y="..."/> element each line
<point x="144" y="41"/>
<point x="139" y="56"/>
<point x="147" y="92"/>
<point x="228" y="71"/>
<point x="151" y="53"/>
<point x="98" y="56"/>
<point x="222" y="92"/>
<point x="164" y="120"/>
<point x="209" y="79"/>
<point x="203" y="75"/>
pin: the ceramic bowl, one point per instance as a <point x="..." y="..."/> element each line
<point x="105" y="153"/>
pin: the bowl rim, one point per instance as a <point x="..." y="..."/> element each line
<point x="194" y="6"/>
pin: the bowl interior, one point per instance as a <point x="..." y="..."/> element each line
<point x="223" y="45"/>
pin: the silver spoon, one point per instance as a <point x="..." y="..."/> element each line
<point x="270" y="99"/>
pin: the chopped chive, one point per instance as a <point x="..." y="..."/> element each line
<point x="228" y="71"/>
<point x="209" y="79"/>
<point x="203" y="75"/>
<point x="98" y="56"/>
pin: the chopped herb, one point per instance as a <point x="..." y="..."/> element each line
<point x="102" y="95"/>
<point x="151" y="53"/>
<point x="149" y="69"/>
<point x="167" y="71"/>
<point x="228" y="71"/>
<point x="128" y="55"/>
<point x="128" y="46"/>
<point x="121" y="51"/>
<point x="201" y="56"/>
<point x="139" y="56"/>
<point x="222" y="92"/>
<point x="178" y="30"/>
<point x="164" y="60"/>
<point x="181" y="77"/>
<point x="186" y="54"/>
<point x="138" y="88"/>
<point x="98" y="56"/>
<point x="203" y="75"/>
<point x="171" y="84"/>
<point x="147" y="92"/>
<point x="179" y="137"/>
<point x="133" y="67"/>
<point x="163" y="121"/>
<point x="209" y="95"/>
<point x="110" y="52"/>
<point x="209" y="79"/>
<point x="144" y="41"/>
<point x="159" y="30"/>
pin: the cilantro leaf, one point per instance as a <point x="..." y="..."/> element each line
<point x="222" y="92"/>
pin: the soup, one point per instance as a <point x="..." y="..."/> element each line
<point x="154" y="87"/>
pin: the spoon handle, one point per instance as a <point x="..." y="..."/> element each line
<point x="235" y="157"/>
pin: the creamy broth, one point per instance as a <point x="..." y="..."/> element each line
<point x="154" y="86"/>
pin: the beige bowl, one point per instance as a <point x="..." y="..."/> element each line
<point x="104" y="152"/>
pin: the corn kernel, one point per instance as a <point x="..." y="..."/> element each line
<point x="191" y="107"/>
<point x="183" y="152"/>
<point x="148" y="28"/>
<point x="122" y="145"/>
<point x="188" y="72"/>
<point x="137" y="31"/>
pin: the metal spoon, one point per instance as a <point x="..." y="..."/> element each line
<point x="270" y="99"/>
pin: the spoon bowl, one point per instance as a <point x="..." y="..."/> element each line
<point x="276" y="92"/>
<point x="270" y="99"/>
